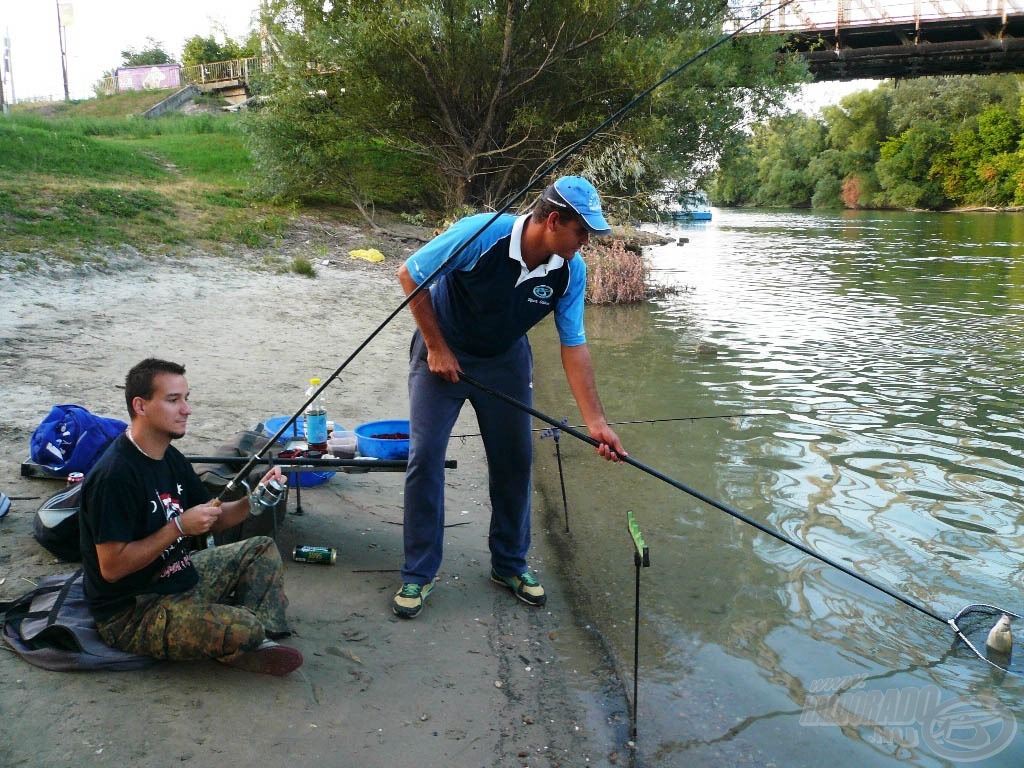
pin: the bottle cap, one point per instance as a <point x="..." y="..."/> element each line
<point x="314" y="382"/>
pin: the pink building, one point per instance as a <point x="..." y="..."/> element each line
<point x="149" y="77"/>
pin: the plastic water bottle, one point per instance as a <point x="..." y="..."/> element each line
<point x="316" y="419"/>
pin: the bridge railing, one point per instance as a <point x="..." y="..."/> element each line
<point x="218" y="71"/>
<point x="829" y="15"/>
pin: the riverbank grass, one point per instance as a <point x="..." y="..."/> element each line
<point x="69" y="183"/>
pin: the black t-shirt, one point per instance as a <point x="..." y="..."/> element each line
<point x="128" y="496"/>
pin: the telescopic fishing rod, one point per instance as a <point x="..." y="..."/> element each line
<point x="951" y="622"/>
<point x="745" y="414"/>
<point x="558" y="161"/>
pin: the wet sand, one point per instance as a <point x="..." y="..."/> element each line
<point x="479" y="679"/>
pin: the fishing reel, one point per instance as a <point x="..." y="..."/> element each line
<point x="266" y="496"/>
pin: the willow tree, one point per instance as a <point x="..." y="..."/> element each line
<point x="482" y="94"/>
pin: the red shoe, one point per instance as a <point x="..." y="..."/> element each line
<point x="268" y="659"/>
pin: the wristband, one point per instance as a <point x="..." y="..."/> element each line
<point x="177" y="524"/>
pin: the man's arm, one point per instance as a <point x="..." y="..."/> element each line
<point x="440" y="358"/>
<point x="118" y="559"/>
<point x="579" y="370"/>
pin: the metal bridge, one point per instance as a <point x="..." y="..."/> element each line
<point x="854" y="39"/>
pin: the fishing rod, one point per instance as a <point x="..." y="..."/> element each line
<point x="556" y="163"/>
<point x="656" y="421"/>
<point x="911" y="603"/>
<point x="320" y="463"/>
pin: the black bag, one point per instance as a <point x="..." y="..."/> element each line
<point x="52" y="627"/>
<point x="55" y="524"/>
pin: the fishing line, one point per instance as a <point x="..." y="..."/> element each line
<point x="550" y="168"/>
<point x="909" y="602"/>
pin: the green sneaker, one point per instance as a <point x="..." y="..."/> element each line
<point x="408" y="601"/>
<point x="525" y="586"/>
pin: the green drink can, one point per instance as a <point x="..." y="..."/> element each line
<point x="306" y="553"/>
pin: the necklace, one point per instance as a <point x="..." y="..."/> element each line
<point x="131" y="439"/>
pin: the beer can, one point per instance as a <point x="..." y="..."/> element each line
<point x="306" y="553"/>
<point x="75" y="477"/>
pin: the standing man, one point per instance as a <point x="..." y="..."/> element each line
<point x="474" y="320"/>
<point x="140" y="504"/>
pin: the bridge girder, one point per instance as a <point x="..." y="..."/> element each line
<point x="949" y="46"/>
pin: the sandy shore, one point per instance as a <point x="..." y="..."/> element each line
<point x="479" y="679"/>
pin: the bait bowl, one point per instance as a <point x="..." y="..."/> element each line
<point x="387" y="439"/>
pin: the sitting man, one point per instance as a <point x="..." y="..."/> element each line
<point x="141" y="503"/>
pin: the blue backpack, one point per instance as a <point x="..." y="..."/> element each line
<point x="70" y="439"/>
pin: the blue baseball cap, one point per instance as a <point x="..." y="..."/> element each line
<point x="577" y="193"/>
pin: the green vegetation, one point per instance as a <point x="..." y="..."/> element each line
<point x="303" y="266"/>
<point x="109" y="107"/>
<point x="440" y="105"/>
<point x="70" y="177"/>
<point x="152" y="53"/>
<point x="27" y="148"/>
<point x="928" y="143"/>
<point x="203" y="50"/>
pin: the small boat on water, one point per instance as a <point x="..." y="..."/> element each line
<point x="693" y="207"/>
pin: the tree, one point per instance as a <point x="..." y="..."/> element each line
<point x="948" y="100"/>
<point x="201" y="50"/>
<point x="955" y="168"/>
<point x="856" y="128"/>
<point x="735" y="182"/>
<point x="906" y="170"/>
<point x="486" y="94"/>
<point x="825" y="174"/>
<point x="789" y="145"/>
<point x="152" y="54"/>
<point x="204" y="50"/>
<point x="998" y="131"/>
<point x="924" y="143"/>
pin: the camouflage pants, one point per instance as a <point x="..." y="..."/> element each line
<point x="240" y="596"/>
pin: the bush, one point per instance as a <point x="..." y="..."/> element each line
<point x="615" y="275"/>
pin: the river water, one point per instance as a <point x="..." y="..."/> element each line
<point x="852" y="381"/>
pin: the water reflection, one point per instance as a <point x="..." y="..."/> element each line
<point x="865" y="401"/>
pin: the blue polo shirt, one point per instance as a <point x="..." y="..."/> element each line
<point x="486" y="299"/>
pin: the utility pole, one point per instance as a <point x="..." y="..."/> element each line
<point x="6" y="68"/>
<point x="10" y="68"/>
<point x="62" y="31"/>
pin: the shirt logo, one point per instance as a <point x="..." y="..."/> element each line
<point x="543" y="292"/>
